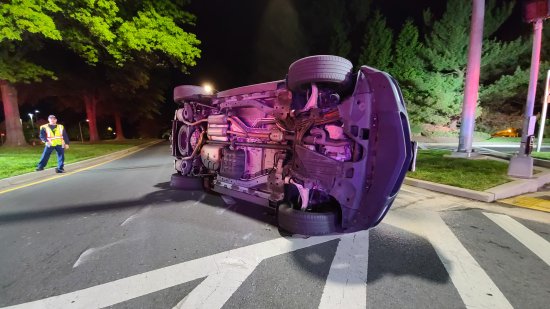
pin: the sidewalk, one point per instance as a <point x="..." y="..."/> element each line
<point x="11" y="183"/>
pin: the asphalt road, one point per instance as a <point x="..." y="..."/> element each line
<point x="117" y="236"/>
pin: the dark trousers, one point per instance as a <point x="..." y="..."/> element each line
<point x="46" y="156"/>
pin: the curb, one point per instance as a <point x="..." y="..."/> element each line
<point x="461" y="192"/>
<point x="35" y="176"/>
<point x="509" y="189"/>
<point x="520" y="186"/>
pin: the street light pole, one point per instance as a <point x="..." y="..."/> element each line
<point x="471" y="87"/>
<point x="80" y="128"/>
<point x="32" y="123"/>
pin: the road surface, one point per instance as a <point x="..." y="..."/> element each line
<point x="117" y="236"/>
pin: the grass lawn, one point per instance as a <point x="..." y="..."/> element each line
<point x="541" y="155"/>
<point x="21" y="160"/>
<point x="479" y="175"/>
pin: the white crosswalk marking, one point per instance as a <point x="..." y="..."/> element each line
<point x="528" y="238"/>
<point x="346" y="284"/>
<point x="115" y="292"/>
<point x="475" y="287"/>
<point x="216" y="289"/>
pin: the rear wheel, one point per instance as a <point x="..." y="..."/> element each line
<point x="319" y="69"/>
<point x="185" y="182"/>
<point x="324" y="221"/>
<point x="186" y="92"/>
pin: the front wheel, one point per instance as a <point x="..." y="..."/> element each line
<point x="319" y="69"/>
<point x="307" y="223"/>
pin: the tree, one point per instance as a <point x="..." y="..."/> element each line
<point x="376" y="50"/>
<point x="280" y="41"/>
<point x="23" y="27"/>
<point x="136" y="91"/>
<point x="333" y="33"/>
<point x="409" y="69"/>
<point x="438" y="69"/>
<point x="129" y="32"/>
<point x="105" y="34"/>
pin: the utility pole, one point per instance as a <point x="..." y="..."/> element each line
<point x="471" y="88"/>
<point x="521" y="165"/>
<point x="542" y="120"/>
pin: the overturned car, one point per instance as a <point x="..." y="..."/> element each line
<point x="328" y="147"/>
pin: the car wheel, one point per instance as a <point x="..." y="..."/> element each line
<point x="319" y="69"/>
<point x="184" y="166"/>
<point x="183" y="138"/>
<point x="183" y="92"/>
<point x="185" y="182"/>
<point x="306" y="223"/>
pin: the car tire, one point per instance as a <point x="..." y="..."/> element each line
<point x="185" y="182"/>
<point x="184" y="92"/>
<point x="319" y="69"/>
<point x="306" y="223"/>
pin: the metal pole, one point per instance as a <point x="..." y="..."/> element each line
<point x="521" y="165"/>
<point x="32" y="126"/>
<point x="542" y="120"/>
<point x="471" y="87"/>
<point x="81" y="137"/>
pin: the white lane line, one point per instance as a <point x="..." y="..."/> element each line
<point x="475" y="287"/>
<point x="526" y="237"/>
<point x="346" y="284"/>
<point x="216" y="289"/>
<point x="117" y="291"/>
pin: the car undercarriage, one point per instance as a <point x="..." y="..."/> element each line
<point x="328" y="147"/>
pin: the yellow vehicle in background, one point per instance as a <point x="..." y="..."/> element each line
<point x="510" y="132"/>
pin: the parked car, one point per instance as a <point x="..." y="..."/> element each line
<point x="510" y="132"/>
<point x="327" y="146"/>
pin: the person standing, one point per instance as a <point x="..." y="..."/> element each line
<point x="54" y="137"/>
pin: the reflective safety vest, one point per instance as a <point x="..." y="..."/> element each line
<point x="54" y="136"/>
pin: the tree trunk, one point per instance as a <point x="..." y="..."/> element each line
<point x="118" y="128"/>
<point x="14" y="128"/>
<point x="90" y="100"/>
